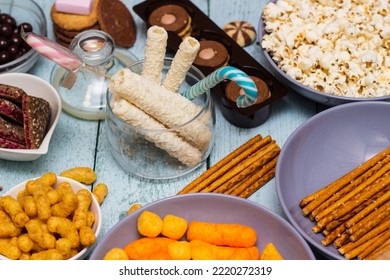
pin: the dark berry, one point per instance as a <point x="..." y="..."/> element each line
<point x="4" y="43"/>
<point x="26" y="27"/>
<point x="10" y="20"/>
<point x="13" y="51"/>
<point x="4" y="57"/>
<point x="16" y="39"/>
<point x="6" y="30"/>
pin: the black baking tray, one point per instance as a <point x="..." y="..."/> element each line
<point x="203" y="28"/>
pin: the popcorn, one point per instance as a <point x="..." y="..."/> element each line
<point x="339" y="47"/>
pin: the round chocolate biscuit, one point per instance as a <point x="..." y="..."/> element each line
<point x="73" y="33"/>
<point x="116" y="20"/>
<point x="241" y="31"/>
<point x="74" y="22"/>
<point x="233" y="90"/>
<point x="212" y="54"/>
<point x="171" y="17"/>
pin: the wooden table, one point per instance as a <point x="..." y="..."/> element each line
<point x="79" y="142"/>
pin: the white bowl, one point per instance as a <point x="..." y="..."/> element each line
<point x="95" y="208"/>
<point x="34" y="86"/>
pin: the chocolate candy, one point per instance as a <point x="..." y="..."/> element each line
<point x="241" y="31"/>
<point x="233" y="91"/>
<point x="172" y="18"/>
<point x="212" y="54"/>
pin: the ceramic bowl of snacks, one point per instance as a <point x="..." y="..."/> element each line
<point x="15" y="54"/>
<point x="188" y="217"/>
<point x="329" y="54"/>
<point x="72" y="222"/>
<point x="165" y="139"/>
<point x="29" y="111"/>
<point x="329" y="171"/>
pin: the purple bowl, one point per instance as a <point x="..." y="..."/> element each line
<point x="217" y="208"/>
<point x="308" y="92"/>
<point x="324" y="148"/>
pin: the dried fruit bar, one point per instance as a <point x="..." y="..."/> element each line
<point x="12" y="93"/>
<point x="11" y="111"/>
<point x="11" y="132"/>
<point x="36" y="116"/>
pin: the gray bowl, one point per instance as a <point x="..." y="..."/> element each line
<point x="308" y="92"/>
<point x="324" y="148"/>
<point x="216" y="208"/>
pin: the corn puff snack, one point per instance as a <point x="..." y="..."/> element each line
<point x="7" y="227"/>
<point x="234" y="235"/>
<point x="29" y="206"/>
<point x="67" y="205"/>
<point x="12" y="207"/>
<point x="80" y="216"/>
<point x="180" y="250"/>
<point x="65" y="228"/>
<point x="51" y="254"/>
<point x="42" y="204"/>
<point x="8" y="249"/>
<point x="81" y="174"/>
<point x="25" y="243"/>
<point x="100" y="192"/>
<point x="116" y="254"/>
<point x="270" y="253"/>
<point x="87" y="236"/>
<point x="147" y="247"/>
<point x="174" y="227"/>
<point x="43" y="239"/>
<point x="149" y="224"/>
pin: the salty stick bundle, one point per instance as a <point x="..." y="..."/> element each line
<point x="242" y="172"/>
<point x="353" y="212"/>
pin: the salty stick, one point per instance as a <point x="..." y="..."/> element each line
<point x="245" y="164"/>
<point x="253" y="169"/>
<point x="155" y="48"/>
<point x="367" y="210"/>
<point x="384" y="248"/>
<point x="227" y="163"/>
<point x="169" y="141"/>
<point x="341" y="240"/>
<point x="346" y="189"/>
<point x="255" y="180"/>
<point x="357" y="189"/>
<point x="365" y="194"/>
<point x="181" y="63"/>
<point x="377" y="242"/>
<point x="369" y="235"/>
<point x="369" y="222"/>
<point x="264" y="179"/>
<point x="333" y="235"/>
<point x="324" y="193"/>
<point x="170" y="109"/>
<point x="359" y="249"/>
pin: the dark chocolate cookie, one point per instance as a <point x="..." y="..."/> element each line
<point x="212" y="54"/>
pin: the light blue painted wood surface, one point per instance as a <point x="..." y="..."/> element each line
<point x="83" y="143"/>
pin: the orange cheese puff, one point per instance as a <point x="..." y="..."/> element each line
<point x="180" y="250"/>
<point x="65" y="228"/>
<point x="81" y="174"/>
<point x="174" y="227"/>
<point x="12" y="207"/>
<point x="133" y="207"/>
<point x="143" y="248"/>
<point x="7" y="227"/>
<point x="116" y="254"/>
<point x="162" y="255"/>
<point x="34" y="185"/>
<point x="42" y="204"/>
<point x="67" y="205"/>
<point x="149" y="224"/>
<point x="202" y="250"/>
<point x="49" y="178"/>
<point x="250" y="253"/>
<point x="270" y="253"/>
<point x="36" y="233"/>
<point x="29" y="206"/>
<point x="234" y="235"/>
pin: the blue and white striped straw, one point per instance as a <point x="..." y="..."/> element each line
<point x="230" y="73"/>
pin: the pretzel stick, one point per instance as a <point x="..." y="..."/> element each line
<point x="355" y="190"/>
<point x="321" y="195"/>
<point x="371" y="207"/>
<point x="369" y="222"/>
<point x="333" y="235"/>
<point x="378" y="185"/>
<point x="341" y="240"/>
<point x="245" y="164"/>
<point x="348" y="188"/>
<point x="228" y="162"/>
<point x="384" y="248"/>
<point x="264" y="179"/>
<point x="246" y="174"/>
<point x="377" y="242"/>
<point x="359" y="249"/>
<point x="369" y="235"/>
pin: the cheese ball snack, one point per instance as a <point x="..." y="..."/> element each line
<point x="174" y="227"/>
<point x="149" y="224"/>
<point x="180" y="250"/>
<point x="116" y="254"/>
<point x="181" y="63"/>
<point x="155" y="48"/>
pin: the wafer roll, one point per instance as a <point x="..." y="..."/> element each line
<point x="170" y="109"/>
<point x="156" y="43"/>
<point x="181" y="63"/>
<point x="169" y="141"/>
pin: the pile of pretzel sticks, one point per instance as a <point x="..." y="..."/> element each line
<point x="242" y="172"/>
<point x="353" y="212"/>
